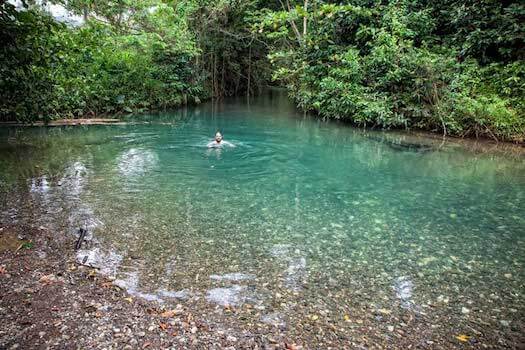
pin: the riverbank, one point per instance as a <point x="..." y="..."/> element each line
<point x="50" y="301"/>
<point x="68" y="122"/>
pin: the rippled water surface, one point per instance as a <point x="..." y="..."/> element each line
<point x="301" y="217"/>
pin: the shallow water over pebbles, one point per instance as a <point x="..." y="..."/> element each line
<point x="303" y="221"/>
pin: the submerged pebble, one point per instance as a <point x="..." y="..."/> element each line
<point x="275" y="319"/>
<point x="403" y="288"/>
<point x="230" y="296"/>
<point x="181" y="294"/>
<point x="237" y="276"/>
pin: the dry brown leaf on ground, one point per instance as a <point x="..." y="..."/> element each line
<point x="462" y="337"/>
<point x="106" y="284"/>
<point x="48" y="279"/>
<point x="170" y="313"/>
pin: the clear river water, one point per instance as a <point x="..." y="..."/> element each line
<point x="313" y="224"/>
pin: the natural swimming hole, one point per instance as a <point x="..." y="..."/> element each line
<point x="310" y="227"/>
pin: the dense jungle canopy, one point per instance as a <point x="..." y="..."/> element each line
<point x="453" y="67"/>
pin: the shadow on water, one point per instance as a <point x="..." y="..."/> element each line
<point x="400" y="144"/>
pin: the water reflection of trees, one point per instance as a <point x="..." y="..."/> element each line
<point x="437" y="160"/>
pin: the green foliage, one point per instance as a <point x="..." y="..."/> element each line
<point x="128" y="56"/>
<point x="122" y="72"/>
<point x="399" y="64"/>
<point x="28" y="245"/>
<point x="449" y="66"/>
<point x="50" y="70"/>
<point x="26" y="57"/>
<point x="486" y="101"/>
<point x="490" y="31"/>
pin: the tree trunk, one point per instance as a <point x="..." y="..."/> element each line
<point x="249" y="71"/>
<point x="292" y="23"/>
<point x="305" y="17"/>
<point x="85" y="14"/>
<point x="222" y="86"/>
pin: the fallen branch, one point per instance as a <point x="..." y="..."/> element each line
<point x="82" y="233"/>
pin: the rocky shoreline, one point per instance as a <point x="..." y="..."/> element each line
<point x="51" y="301"/>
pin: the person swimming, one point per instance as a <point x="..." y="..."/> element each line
<point x="219" y="142"/>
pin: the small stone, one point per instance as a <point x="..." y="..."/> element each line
<point x="442" y="299"/>
<point x="384" y="311"/>
<point x="464" y="310"/>
<point x="504" y="323"/>
<point x="141" y="334"/>
<point x="231" y="338"/>
<point x="41" y="334"/>
<point x="508" y="275"/>
<point x="390" y="328"/>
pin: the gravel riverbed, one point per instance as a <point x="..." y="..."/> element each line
<point x="50" y="301"/>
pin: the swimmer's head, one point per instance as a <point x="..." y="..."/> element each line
<point x="218" y="137"/>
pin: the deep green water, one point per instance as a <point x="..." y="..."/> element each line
<point x="300" y="208"/>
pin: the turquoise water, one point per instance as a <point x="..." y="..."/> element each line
<point x="303" y="217"/>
